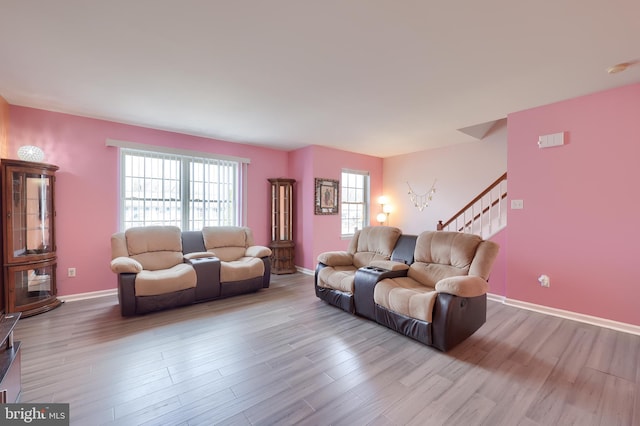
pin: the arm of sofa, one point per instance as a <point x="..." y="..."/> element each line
<point x="336" y="258"/>
<point x="208" y="276"/>
<point x="258" y="251"/>
<point x="198" y="255"/>
<point x="127" y="294"/>
<point x="463" y="286"/>
<point x="389" y="265"/>
<point x="123" y="265"/>
<point x="266" y="279"/>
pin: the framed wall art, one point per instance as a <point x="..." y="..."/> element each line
<point x="327" y="196"/>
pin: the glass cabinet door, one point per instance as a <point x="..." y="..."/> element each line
<point x="32" y="285"/>
<point x="30" y="213"/>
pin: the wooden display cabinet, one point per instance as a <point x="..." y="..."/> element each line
<point x="28" y="234"/>
<point x="282" y="245"/>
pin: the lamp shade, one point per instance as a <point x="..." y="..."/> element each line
<point x="381" y="217"/>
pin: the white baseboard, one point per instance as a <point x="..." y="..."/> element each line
<point x="574" y="316"/>
<point x="305" y="271"/>
<point x="90" y="295"/>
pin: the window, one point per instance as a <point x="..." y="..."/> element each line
<point x="184" y="190"/>
<point x="355" y="201"/>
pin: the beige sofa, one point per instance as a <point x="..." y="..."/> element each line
<point x="242" y="263"/>
<point x="442" y="300"/>
<point x="336" y="270"/>
<point x="160" y="267"/>
<point x="438" y="297"/>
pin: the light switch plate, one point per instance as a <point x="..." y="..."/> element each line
<point x="517" y="204"/>
<point x="548" y="141"/>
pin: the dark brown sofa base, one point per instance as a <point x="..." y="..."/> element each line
<point x="240" y="287"/>
<point x="161" y="302"/>
<point x="411" y="327"/>
<point x="337" y="298"/>
<point x="208" y="287"/>
<point x="333" y="297"/>
<point x="454" y="319"/>
<point x="130" y="304"/>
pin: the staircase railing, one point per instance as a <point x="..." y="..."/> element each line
<point x="485" y="215"/>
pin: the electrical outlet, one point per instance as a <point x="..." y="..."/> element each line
<point x="71" y="272"/>
<point x="544" y="281"/>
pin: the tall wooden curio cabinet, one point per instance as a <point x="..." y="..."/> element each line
<point x="28" y="235"/>
<point x="282" y="245"/>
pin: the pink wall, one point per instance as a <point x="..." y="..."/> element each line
<point x="4" y="127"/>
<point x="319" y="233"/>
<point x="579" y="222"/>
<point x="87" y="184"/>
<point x="300" y="169"/>
<point x="498" y="278"/>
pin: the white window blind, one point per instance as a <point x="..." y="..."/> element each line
<point x="165" y="188"/>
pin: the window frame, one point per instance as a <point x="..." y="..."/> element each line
<point x="345" y="201"/>
<point x="186" y="171"/>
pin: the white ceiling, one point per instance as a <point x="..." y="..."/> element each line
<point x="381" y="77"/>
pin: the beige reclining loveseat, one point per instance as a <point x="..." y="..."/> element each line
<point x="336" y="270"/>
<point x="436" y="296"/>
<point x="160" y="267"/>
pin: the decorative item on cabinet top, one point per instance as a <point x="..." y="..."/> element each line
<point x="30" y="153"/>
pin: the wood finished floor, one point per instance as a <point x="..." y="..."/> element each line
<point x="282" y="356"/>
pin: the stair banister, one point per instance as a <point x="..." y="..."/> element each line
<point x="471" y="204"/>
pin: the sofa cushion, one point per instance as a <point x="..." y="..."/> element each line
<point x="466" y="286"/>
<point x="242" y="269"/>
<point x="258" y="251"/>
<point x="336" y="258"/>
<point x="119" y="245"/>
<point x="153" y="238"/>
<point x="430" y="273"/>
<point x="406" y="296"/>
<point x="224" y="236"/>
<point x="228" y="254"/>
<point x="447" y="248"/>
<point x="441" y="254"/>
<point x="337" y="278"/>
<point x="483" y="261"/>
<point x="178" y="277"/>
<point x="375" y="243"/>
<point x="124" y="265"/>
<point x="365" y="258"/>
<point x="227" y="243"/>
<point x="159" y="260"/>
<point x="155" y="247"/>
